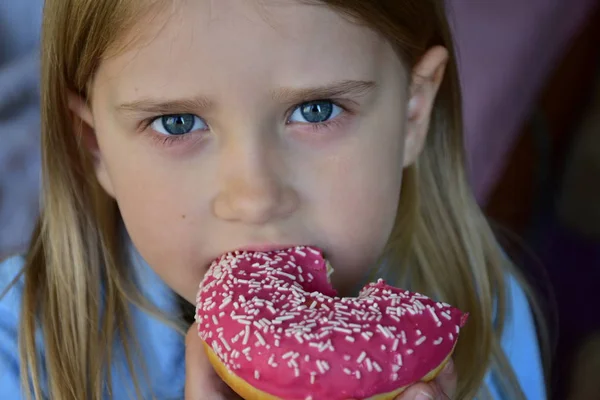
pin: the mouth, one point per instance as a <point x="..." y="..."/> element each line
<point x="268" y="247"/>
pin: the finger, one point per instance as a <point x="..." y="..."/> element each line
<point x="419" y="391"/>
<point x="201" y="382"/>
<point x="447" y="380"/>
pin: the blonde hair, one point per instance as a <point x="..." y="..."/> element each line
<point x="76" y="273"/>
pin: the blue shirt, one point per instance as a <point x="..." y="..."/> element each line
<point x="163" y="347"/>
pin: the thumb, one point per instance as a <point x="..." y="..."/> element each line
<point x="201" y="381"/>
<point x="419" y="391"/>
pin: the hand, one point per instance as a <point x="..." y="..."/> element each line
<point x="442" y="388"/>
<point x="201" y="381"/>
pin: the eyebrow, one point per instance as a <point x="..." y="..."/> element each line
<point x="159" y="106"/>
<point x="337" y="89"/>
<point x="282" y="95"/>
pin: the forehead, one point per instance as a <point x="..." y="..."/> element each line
<point x="208" y="45"/>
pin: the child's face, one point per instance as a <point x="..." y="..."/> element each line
<point x="289" y="126"/>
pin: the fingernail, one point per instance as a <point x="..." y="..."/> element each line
<point x="424" y="396"/>
<point x="448" y="368"/>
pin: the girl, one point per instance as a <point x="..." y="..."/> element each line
<point x="175" y="131"/>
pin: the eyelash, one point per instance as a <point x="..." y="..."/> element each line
<point x="168" y="140"/>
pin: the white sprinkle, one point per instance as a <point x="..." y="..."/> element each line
<point x="321" y="367"/>
<point x="433" y="314"/>
<point x="446" y="315"/>
<point x="284" y="318"/>
<point x="420" y="340"/>
<point x="342" y="330"/>
<point x="312" y="378"/>
<point x="225" y="343"/>
<point x="395" y="346"/>
<point x="438" y="341"/>
<point x="419" y="305"/>
<point x="377" y="367"/>
<point x="361" y="357"/>
<point x="350" y="339"/>
<point x="292" y="277"/>
<point x="369" y="365"/>
<point x="347" y="371"/>
<point x="403" y="337"/>
<point x="214" y="319"/>
<point x="451" y="336"/>
<point x="399" y="360"/>
<point x="409" y="351"/>
<point x="365" y="336"/>
<point x="315" y="252"/>
<point x="226" y="301"/>
<point x="246" y="335"/>
<point x="256" y="375"/>
<point x="385" y="331"/>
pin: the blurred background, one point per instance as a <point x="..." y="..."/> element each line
<point x="531" y="80"/>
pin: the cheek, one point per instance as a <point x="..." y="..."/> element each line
<point x="359" y="194"/>
<point x="161" y="204"/>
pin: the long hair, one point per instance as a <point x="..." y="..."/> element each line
<point x="76" y="274"/>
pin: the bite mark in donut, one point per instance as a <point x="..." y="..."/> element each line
<point x="274" y="329"/>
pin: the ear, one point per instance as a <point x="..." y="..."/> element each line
<point x="83" y="127"/>
<point x="427" y="76"/>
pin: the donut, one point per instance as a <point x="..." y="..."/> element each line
<point x="274" y="328"/>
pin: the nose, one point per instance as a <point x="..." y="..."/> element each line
<point x="252" y="189"/>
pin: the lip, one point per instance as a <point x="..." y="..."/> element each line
<point x="267" y="247"/>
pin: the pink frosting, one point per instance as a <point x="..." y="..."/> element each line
<point x="274" y="320"/>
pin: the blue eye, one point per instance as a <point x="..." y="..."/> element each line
<point x="178" y="124"/>
<point x="315" y="112"/>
